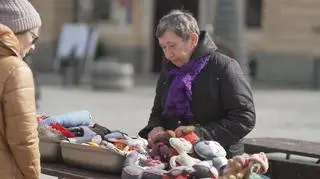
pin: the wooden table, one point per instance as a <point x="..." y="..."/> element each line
<point x="64" y="171"/>
<point x="252" y="145"/>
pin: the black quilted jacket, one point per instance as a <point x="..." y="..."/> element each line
<point x="222" y="102"/>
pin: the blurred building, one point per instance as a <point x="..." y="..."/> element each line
<point x="126" y="27"/>
<point x="282" y="36"/>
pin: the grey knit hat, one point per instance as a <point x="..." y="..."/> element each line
<point x="19" y="15"/>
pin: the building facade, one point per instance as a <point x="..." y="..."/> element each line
<point x="285" y="40"/>
<point x="283" y="36"/>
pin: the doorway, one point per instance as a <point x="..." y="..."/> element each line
<point x="162" y="7"/>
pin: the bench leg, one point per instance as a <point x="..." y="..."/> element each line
<point x="287" y="156"/>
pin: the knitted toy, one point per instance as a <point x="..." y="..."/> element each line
<point x="213" y="153"/>
<point x="134" y="158"/>
<point x="161" y="150"/>
<point x="140" y="144"/>
<point x="205" y="169"/>
<point x="137" y="166"/>
<point x="183" y="147"/>
<point x="244" y="165"/>
<point x="188" y="134"/>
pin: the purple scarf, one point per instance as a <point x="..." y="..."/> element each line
<point x="179" y="99"/>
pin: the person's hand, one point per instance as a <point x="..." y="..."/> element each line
<point x="154" y="133"/>
<point x="183" y="130"/>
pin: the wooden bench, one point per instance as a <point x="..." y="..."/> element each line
<point x="283" y="145"/>
<point x="292" y="169"/>
<point x="64" y="171"/>
<point x="287" y="167"/>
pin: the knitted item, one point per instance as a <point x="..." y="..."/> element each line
<point x="188" y="129"/>
<point x="191" y="137"/>
<point x="139" y="144"/>
<point x="183" y="147"/>
<point x="254" y="174"/>
<point x="162" y="151"/>
<point x="242" y="166"/>
<point x="71" y="119"/>
<point x="208" y="150"/>
<point x="48" y="132"/>
<point x="180" y="92"/>
<point x="65" y="132"/>
<point x="205" y="171"/>
<point x="19" y="15"/>
<point x="82" y="131"/>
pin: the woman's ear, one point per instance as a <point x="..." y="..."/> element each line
<point x="194" y="37"/>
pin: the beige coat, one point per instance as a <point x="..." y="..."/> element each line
<point x="19" y="144"/>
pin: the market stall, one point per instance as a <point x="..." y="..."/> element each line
<point x="72" y="145"/>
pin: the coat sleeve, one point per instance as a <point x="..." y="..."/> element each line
<point x="21" y="124"/>
<point x="237" y="104"/>
<point x="156" y="111"/>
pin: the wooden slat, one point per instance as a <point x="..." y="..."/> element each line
<point x="282" y="145"/>
<point x="64" y="171"/>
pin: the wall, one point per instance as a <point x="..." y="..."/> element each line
<point x="130" y="42"/>
<point x="287" y="43"/>
<point x="288" y="26"/>
<point x="53" y="14"/>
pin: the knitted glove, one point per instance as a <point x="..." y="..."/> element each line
<point x="188" y="129"/>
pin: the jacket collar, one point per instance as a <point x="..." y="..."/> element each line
<point x="205" y="47"/>
<point x="9" y="44"/>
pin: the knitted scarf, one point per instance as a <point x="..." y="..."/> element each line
<point x="178" y="102"/>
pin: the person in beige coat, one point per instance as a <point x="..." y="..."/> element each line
<point x="19" y="143"/>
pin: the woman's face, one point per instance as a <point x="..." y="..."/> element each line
<point x="27" y="41"/>
<point x="176" y="49"/>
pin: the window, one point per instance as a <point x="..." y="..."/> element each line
<point x="113" y="11"/>
<point x="254" y="13"/>
<point x="102" y="9"/>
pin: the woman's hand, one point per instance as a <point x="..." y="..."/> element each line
<point x="155" y="132"/>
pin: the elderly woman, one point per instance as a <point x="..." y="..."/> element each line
<point x="199" y="86"/>
<point x="19" y="147"/>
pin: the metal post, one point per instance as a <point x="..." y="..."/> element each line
<point x="230" y="26"/>
<point x="316" y="72"/>
<point x="76" y="10"/>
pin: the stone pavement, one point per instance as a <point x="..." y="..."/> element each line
<point x="280" y="112"/>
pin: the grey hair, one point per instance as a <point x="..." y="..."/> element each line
<point x="180" y="22"/>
